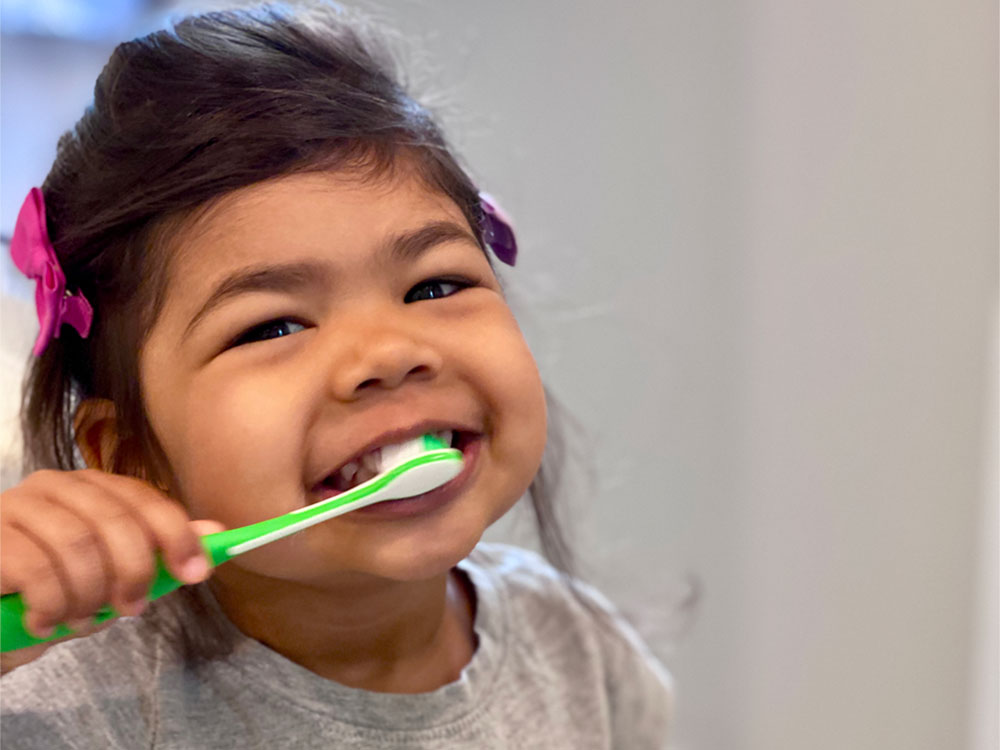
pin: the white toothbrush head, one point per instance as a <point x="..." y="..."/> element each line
<point x="418" y="466"/>
<point x="391" y="456"/>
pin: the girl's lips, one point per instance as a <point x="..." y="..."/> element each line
<point x="428" y="502"/>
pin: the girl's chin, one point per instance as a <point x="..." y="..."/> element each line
<point x="419" y="562"/>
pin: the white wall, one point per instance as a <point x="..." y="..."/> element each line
<point x="871" y="288"/>
<point x="759" y="265"/>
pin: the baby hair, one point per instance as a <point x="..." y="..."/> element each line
<point x="180" y="118"/>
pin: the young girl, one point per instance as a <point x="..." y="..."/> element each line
<point x="258" y="261"/>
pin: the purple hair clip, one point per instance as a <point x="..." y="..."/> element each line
<point x="34" y="256"/>
<point x="497" y="231"/>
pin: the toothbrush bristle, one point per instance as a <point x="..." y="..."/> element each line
<point x="434" y="442"/>
<point x="398" y="454"/>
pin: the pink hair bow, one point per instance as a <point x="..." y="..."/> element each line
<point x="35" y="257"/>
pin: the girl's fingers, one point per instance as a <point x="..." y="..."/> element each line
<point x="164" y="520"/>
<point x="75" y="555"/>
<point x="124" y="544"/>
<point x="76" y="541"/>
<point x="28" y="568"/>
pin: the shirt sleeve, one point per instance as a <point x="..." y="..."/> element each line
<point x="640" y="690"/>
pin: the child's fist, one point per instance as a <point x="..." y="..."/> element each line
<point x="74" y="541"/>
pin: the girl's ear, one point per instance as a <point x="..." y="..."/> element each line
<point x="96" y="427"/>
<point x="100" y="442"/>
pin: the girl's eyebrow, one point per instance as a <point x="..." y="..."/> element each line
<point x="282" y="277"/>
<point x="292" y="277"/>
<point x="410" y="245"/>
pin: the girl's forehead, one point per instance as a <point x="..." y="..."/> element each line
<point x="305" y="213"/>
<point x="321" y="197"/>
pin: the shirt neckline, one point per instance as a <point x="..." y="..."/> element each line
<point x="264" y="670"/>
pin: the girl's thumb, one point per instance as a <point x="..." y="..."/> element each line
<point x="201" y="528"/>
<point x="198" y="567"/>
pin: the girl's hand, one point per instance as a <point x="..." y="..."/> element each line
<point x="74" y="541"/>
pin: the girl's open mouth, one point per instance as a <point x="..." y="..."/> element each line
<point x="428" y="502"/>
<point x="364" y="467"/>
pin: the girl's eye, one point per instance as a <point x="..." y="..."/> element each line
<point x="435" y="289"/>
<point x="273" y="329"/>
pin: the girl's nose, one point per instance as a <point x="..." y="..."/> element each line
<point x="382" y="361"/>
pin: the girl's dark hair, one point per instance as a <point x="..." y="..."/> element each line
<point x="181" y="117"/>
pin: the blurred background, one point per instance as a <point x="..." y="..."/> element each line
<point x="760" y="269"/>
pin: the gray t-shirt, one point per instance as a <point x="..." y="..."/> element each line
<point x="548" y="673"/>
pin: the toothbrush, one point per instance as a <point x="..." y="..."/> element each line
<point x="406" y="469"/>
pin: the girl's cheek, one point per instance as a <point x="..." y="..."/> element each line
<point x="237" y="447"/>
<point x="521" y="398"/>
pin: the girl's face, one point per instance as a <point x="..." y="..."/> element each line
<point x="309" y="318"/>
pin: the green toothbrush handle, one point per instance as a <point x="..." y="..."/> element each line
<point x="13" y="634"/>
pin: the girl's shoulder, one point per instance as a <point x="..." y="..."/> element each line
<point x="564" y="630"/>
<point x="529" y="585"/>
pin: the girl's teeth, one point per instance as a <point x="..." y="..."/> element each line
<point x="361" y="470"/>
<point x="356" y="472"/>
<point x="370" y="460"/>
<point x="353" y="474"/>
